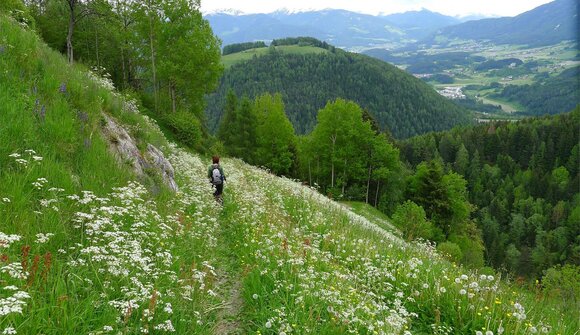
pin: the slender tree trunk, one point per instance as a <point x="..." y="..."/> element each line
<point x="153" y="69"/>
<point x="71" y="28"/>
<point x="97" y="48"/>
<point x="317" y="170"/>
<point x="344" y="176"/>
<point x="377" y="193"/>
<point x="309" y="173"/>
<point x="368" y="184"/>
<point x="333" y="139"/>
<point x="173" y="98"/>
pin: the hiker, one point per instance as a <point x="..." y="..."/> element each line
<point x="216" y="176"/>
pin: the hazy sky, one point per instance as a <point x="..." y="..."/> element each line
<point x="447" y="7"/>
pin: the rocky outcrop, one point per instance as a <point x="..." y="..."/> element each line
<point x="126" y="151"/>
<point x="159" y="162"/>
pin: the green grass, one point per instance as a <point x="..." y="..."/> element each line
<point x="372" y="214"/>
<point x="231" y="59"/>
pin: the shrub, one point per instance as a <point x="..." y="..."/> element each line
<point x="185" y="126"/>
<point x="412" y="221"/>
<point x="562" y="283"/>
<point x="451" y="251"/>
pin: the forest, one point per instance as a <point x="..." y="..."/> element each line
<point x="551" y="95"/>
<point x="401" y="104"/>
<point x="504" y="195"/>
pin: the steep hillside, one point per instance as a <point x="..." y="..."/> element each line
<point x="548" y="24"/>
<point x="552" y="95"/>
<point x="87" y="249"/>
<point x="399" y="102"/>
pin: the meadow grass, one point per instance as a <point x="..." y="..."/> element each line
<point x="231" y="59"/>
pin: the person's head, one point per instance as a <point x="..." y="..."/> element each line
<point x="215" y="159"/>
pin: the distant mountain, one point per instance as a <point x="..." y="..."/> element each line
<point x="419" y="24"/>
<point x="545" y="25"/>
<point x="398" y="101"/>
<point x="341" y="28"/>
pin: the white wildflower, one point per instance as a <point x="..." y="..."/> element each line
<point x="43" y="238"/>
<point x="9" y="331"/>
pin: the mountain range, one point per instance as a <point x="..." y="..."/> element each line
<point x="547" y="24"/>
<point x="342" y="28"/>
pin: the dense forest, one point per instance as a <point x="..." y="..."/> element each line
<point x="523" y="179"/>
<point x="400" y="103"/>
<point x="551" y="95"/>
<point x="239" y="47"/>
<point x="504" y="194"/>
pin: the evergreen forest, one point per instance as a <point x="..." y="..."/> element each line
<point x="401" y="104"/>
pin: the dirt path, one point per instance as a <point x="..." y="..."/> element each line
<point x="228" y="318"/>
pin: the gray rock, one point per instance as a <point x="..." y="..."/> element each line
<point x="158" y="160"/>
<point x="126" y="151"/>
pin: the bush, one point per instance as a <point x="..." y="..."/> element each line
<point x="18" y="11"/>
<point x="562" y="283"/>
<point x="412" y="221"/>
<point x="185" y="126"/>
<point x="451" y="251"/>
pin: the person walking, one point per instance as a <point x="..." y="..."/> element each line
<point x="216" y="176"/>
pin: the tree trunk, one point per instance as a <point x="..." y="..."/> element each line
<point x="152" y="56"/>
<point x="317" y="170"/>
<point x="333" y="139"/>
<point x="173" y="98"/>
<point x="71" y="28"/>
<point x="368" y="184"/>
<point x="344" y="177"/>
<point x="97" y="48"/>
<point x="309" y="173"/>
<point x="377" y="194"/>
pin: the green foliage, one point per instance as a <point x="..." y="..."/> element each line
<point x="18" y="11"/>
<point x="188" y="54"/>
<point x="185" y="126"/>
<point x="411" y="219"/>
<point x="239" y="47"/>
<point x="275" y="135"/>
<point x="523" y="179"/>
<point x="562" y="283"/>
<point x="550" y="96"/>
<point x="161" y="49"/>
<point x="404" y="105"/>
<point x="450" y="250"/>
<point x="238" y="129"/>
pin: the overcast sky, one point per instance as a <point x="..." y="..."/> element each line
<point x="447" y="7"/>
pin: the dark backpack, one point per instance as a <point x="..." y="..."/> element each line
<point x="216" y="176"/>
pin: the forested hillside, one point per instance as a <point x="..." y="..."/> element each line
<point x="524" y="180"/>
<point x="552" y="95"/>
<point x="400" y="103"/>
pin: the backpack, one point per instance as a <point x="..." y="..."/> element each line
<point x="216" y="176"/>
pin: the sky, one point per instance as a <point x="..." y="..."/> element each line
<point x="447" y="7"/>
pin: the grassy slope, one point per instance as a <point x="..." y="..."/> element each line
<point x="231" y="59"/>
<point x="130" y="262"/>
